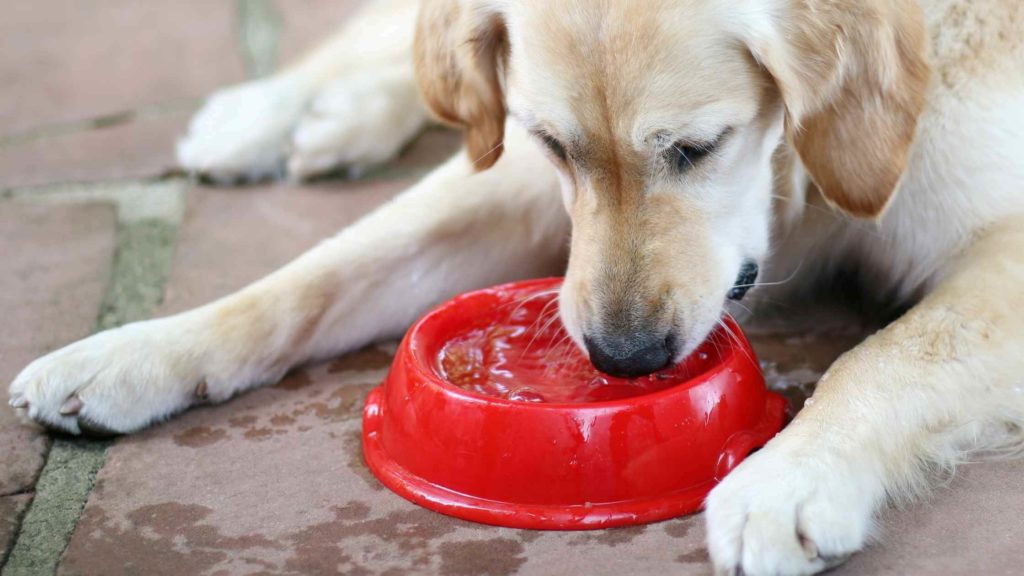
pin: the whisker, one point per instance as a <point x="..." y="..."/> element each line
<point x="736" y="340"/>
<point x="715" y="342"/>
<point x="543" y="329"/>
<point x="544" y="314"/>
<point x="525" y="299"/>
<point x="541" y="314"/>
<point x="489" y="152"/>
<point x="561" y="344"/>
<point x="554" y="317"/>
<point x="745" y="308"/>
<point x="779" y="283"/>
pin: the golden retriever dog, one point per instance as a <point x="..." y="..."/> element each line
<point x="691" y="143"/>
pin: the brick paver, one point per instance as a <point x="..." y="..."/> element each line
<point x="245" y="233"/>
<point x="55" y="261"/>
<point x="63" y="60"/>
<point x="970" y="526"/>
<point x="11" y="510"/>
<point x="141" y="65"/>
<point x="54" y="77"/>
<point x="306" y="23"/>
<point x="140" y="148"/>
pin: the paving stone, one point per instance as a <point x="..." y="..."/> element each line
<point x="972" y="526"/>
<point x="307" y="23"/>
<point x="11" y="510"/>
<point x="55" y="261"/>
<point x="141" y="148"/>
<point x="233" y="236"/>
<point x="64" y="60"/>
<point x="274" y="483"/>
<point x="144" y="148"/>
<point x="433" y="146"/>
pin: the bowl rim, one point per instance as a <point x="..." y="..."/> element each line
<point x="420" y="363"/>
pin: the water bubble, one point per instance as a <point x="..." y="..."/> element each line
<point x="525" y="395"/>
<point x="703" y="356"/>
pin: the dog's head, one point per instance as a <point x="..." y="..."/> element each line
<point x="661" y="118"/>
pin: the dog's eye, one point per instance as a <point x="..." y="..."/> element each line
<point x="685" y="156"/>
<point x="554" y="146"/>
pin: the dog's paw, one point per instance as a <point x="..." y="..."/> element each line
<point x="117" y="381"/>
<point x="242" y="133"/>
<point x="355" y="123"/>
<point x="788" y="512"/>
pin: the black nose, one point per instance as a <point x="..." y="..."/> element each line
<point x="631" y="357"/>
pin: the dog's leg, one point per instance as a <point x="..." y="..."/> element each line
<point x="352" y="102"/>
<point x="911" y="399"/>
<point x="454" y="231"/>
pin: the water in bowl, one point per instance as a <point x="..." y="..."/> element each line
<point x="526" y="356"/>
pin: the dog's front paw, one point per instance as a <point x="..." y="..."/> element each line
<point x="117" y="381"/>
<point x="356" y="123"/>
<point x="242" y="133"/>
<point x="789" y="512"/>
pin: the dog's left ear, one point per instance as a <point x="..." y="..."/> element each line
<point x="461" y="52"/>
<point x="853" y="75"/>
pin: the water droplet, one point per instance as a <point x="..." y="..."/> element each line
<point x="703" y="356"/>
<point x="808" y="402"/>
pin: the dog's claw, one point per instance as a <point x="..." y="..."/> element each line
<point x="18" y="402"/>
<point x="202" y="392"/>
<point x="71" y="406"/>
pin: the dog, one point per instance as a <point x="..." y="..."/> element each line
<point x="683" y="146"/>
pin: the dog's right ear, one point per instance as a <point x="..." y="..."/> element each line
<point x="461" y="54"/>
<point x="853" y="76"/>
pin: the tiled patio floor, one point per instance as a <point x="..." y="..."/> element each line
<point x="273" y="482"/>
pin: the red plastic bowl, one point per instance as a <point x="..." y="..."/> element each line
<point x="561" y="465"/>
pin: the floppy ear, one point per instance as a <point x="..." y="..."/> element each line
<point x="853" y="76"/>
<point x="461" y="52"/>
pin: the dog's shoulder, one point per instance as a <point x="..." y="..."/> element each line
<point x="977" y="41"/>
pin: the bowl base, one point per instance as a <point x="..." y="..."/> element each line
<point x="590" y="516"/>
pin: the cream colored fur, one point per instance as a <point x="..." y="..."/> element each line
<point x="920" y="396"/>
